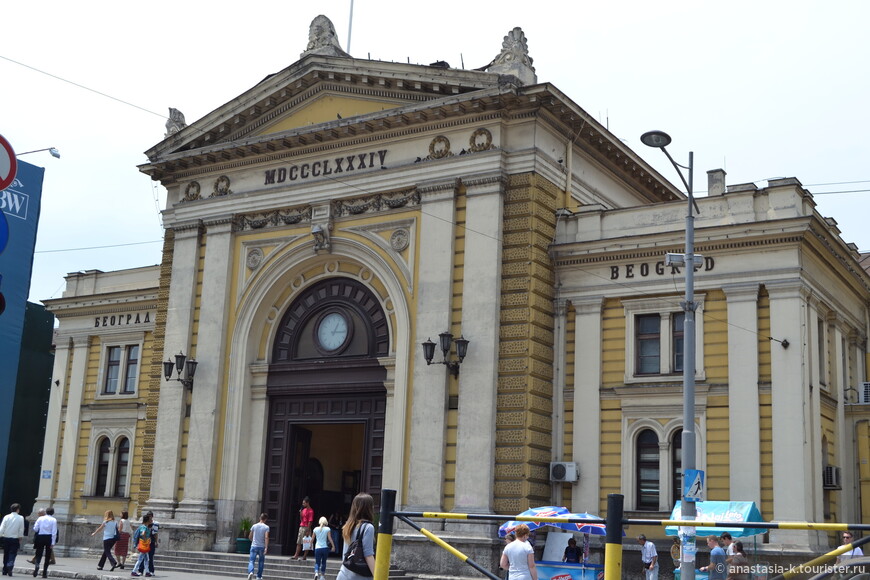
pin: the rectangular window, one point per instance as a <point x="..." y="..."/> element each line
<point x="132" y="368"/>
<point x="655" y="339"/>
<point x="113" y="369"/>
<point x="648" y="344"/>
<point x="678" y="321"/>
<point x="121" y="369"/>
<point x="822" y="350"/>
<point x="123" y="460"/>
<point x="648" y="471"/>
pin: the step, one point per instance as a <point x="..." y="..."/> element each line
<point x="230" y="564"/>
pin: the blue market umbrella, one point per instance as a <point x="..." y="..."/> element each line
<point x="542" y="512"/>
<point x="584" y="527"/>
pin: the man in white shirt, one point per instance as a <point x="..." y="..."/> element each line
<point x="11" y="532"/>
<point x="650" y="558"/>
<point x="45" y="530"/>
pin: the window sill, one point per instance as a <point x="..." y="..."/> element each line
<point x="105" y="498"/>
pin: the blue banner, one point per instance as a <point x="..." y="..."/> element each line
<point x="19" y="205"/>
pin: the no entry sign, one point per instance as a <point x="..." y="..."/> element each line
<point x="8" y="164"/>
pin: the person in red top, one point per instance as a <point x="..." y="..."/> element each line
<point x="306" y="518"/>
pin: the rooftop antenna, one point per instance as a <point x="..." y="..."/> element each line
<point x="350" y="26"/>
<point x="462" y="60"/>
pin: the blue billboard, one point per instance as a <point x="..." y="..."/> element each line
<point x="19" y="209"/>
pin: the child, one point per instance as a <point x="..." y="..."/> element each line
<point x="143" y="533"/>
<point x="306" y="543"/>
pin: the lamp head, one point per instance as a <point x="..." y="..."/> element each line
<point x="461" y="348"/>
<point x="54" y="152"/>
<point x="446" y="340"/>
<point x="428" y="350"/>
<point x="656" y="139"/>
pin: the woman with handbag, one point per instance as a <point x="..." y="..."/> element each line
<point x="358" y="560"/>
<point x="110" y="536"/>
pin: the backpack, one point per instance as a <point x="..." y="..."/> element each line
<point x="354" y="560"/>
<point x="144" y="544"/>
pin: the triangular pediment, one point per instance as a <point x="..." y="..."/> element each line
<point x="315" y="90"/>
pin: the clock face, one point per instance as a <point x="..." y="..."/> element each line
<point x="332" y="331"/>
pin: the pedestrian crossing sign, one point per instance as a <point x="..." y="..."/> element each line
<point x="694" y="485"/>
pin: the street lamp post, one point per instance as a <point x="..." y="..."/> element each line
<point x="691" y="262"/>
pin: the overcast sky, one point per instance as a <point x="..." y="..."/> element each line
<point x="762" y="89"/>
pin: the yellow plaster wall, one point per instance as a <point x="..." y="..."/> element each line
<point x="718" y="440"/>
<point x="611" y="450"/>
<point x="766" y="448"/>
<point x="326" y="108"/>
<point x="525" y="369"/>
<point x="613" y="343"/>
<point x="716" y="337"/>
<point x="764" y="371"/>
<point x="455" y="329"/>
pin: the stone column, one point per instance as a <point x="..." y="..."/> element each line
<point x="429" y="398"/>
<point x="478" y="377"/>
<point x="173" y="399"/>
<point x="205" y="412"/>
<point x="560" y="310"/>
<point x="793" y="475"/>
<point x="587" y="400"/>
<point x="65" y="476"/>
<point x="51" y="443"/>
<point x="666" y="484"/>
<point x="743" y="404"/>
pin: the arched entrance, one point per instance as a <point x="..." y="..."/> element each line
<point x="327" y="402"/>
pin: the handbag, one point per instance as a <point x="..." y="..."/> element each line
<point x="144" y="545"/>
<point x="354" y="560"/>
<point x="117" y="533"/>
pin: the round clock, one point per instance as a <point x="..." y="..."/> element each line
<point x="332" y="331"/>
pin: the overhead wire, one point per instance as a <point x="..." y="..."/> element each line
<point x="454" y="223"/>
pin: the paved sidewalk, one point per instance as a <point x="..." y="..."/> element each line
<point x="86" y="569"/>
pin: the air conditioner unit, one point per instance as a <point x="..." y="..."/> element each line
<point x="864" y="393"/>
<point x="564" y="471"/>
<point x="831" y="477"/>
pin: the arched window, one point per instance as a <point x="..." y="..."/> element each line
<point x="648" y="474"/>
<point x="677" y="465"/>
<point x="103" y="459"/>
<point x="122" y="461"/>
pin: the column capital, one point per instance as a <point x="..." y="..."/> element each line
<point x="588" y="305"/>
<point x="791" y="288"/>
<point x="741" y="292"/>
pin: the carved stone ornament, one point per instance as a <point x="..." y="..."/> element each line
<point x="377" y="202"/>
<point x="175" y="122"/>
<point x="254" y="259"/>
<point x="514" y="59"/>
<point x="399" y="240"/>
<point x="481" y="140"/>
<point x="221" y="186"/>
<point x="191" y="192"/>
<point x="322" y="38"/>
<point x="439" y="148"/>
<point x="273" y="218"/>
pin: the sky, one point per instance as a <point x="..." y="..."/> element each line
<point x="761" y="88"/>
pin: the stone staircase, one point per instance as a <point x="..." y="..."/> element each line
<point x="227" y="564"/>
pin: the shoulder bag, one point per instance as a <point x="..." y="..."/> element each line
<point x="354" y="560"/>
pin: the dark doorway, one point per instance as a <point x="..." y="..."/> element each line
<point x="327" y="406"/>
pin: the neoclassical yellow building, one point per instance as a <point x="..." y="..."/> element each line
<point x="324" y="224"/>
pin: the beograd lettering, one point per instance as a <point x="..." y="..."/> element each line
<point x="643" y="270"/>
<point x="325" y="167"/>
<point x="123" y="319"/>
